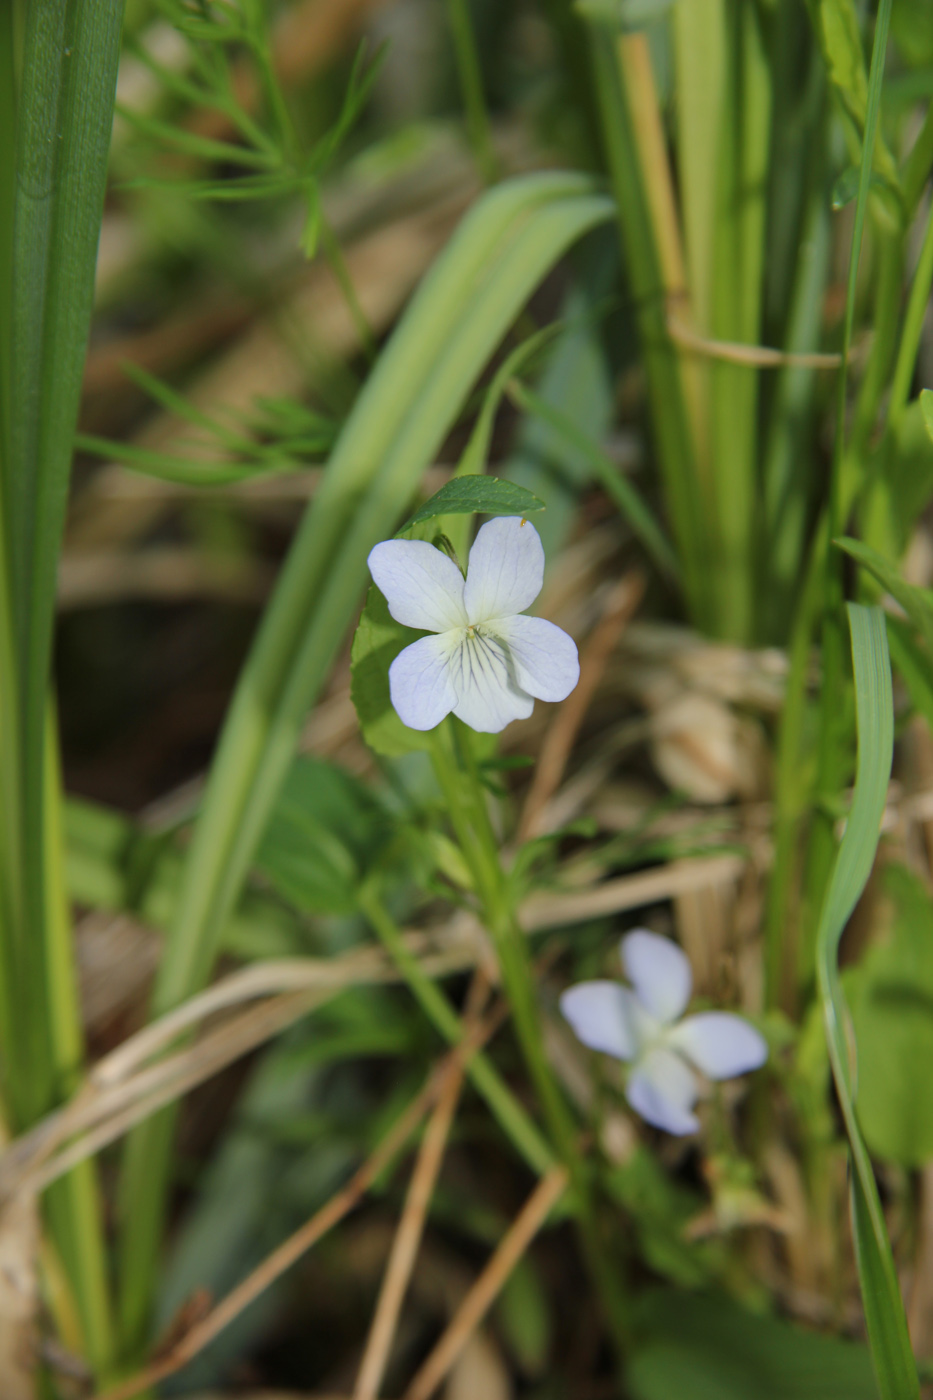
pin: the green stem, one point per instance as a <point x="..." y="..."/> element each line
<point x="455" y="767"/>
<point x="338" y="266"/>
<point x="912" y="330"/>
<point x="508" y="1112"/>
<point x="479" y="130"/>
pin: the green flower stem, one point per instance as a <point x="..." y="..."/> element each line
<point x="505" y="1108"/>
<point x="458" y="776"/>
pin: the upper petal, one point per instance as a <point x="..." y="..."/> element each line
<point x="487" y="698"/>
<point x="663" y="1090"/>
<point x="420" y="681"/>
<point x="544" y="659"/>
<point x="422" y="586"/>
<point x="719" y="1044"/>
<point x="605" y="1016"/>
<point x="659" y="971"/>
<point x="505" y="570"/>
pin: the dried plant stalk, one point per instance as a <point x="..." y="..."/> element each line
<point x="489" y="1284"/>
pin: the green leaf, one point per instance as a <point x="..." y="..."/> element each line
<point x="845" y="187"/>
<point x="912" y="600"/>
<point x="837" y="27"/>
<point x="892" y="1011"/>
<point x="705" y="1347"/>
<point x="324" y="830"/>
<point x="376" y="643"/>
<point x="895" y="1369"/>
<point x="476" y="495"/>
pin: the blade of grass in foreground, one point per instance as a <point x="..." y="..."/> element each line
<point x="895" y="1367"/>
<point x="63" y="120"/>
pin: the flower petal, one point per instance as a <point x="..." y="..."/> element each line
<point x="422" y="586"/>
<point x="719" y="1044"/>
<point x="605" y="1016"/>
<point x="505" y="571"/>
<point x="487" y="699"/>
<point x="420" y="681"/>
<point x="659" y="971"/>
<point x="663" y="1090"/>
<point x="544" y="659"/>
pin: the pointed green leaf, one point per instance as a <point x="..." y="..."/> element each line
<point x="476" y="495"/>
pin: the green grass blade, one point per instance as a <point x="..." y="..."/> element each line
<point x="63" y="119"/>
<point x="838" y="503"/>
<point x="884" y="1310"/>
<point x="626" y="499"/>
<point x="669" y="410"/>
<point x="845" y="479"/>
<point x="913" y="600"/>
<point x="463" y="308"/>
<point x="741" y="158"/>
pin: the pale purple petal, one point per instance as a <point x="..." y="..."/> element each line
<point x="659" y="971"/>
<point x="505" y="571"/>
<point x="422" y="586"/>
<point x="719" y="1044"/>
<point x="487" y="699"/>
<point x="663" y="1090"/>
<point x="605" y="1016"/>
<point x="544" y="659"/>
<point x="420" y="682"/>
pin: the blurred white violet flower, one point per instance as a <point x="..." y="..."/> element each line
<point x="485" y="662"/>
<point x="643" y="1025"/>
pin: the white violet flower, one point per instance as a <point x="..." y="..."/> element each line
<point x="643" y="1025"/>
<point x="486" y="663"/>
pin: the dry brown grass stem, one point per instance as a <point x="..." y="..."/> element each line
<point x="489" y="1284"/>
<point x="114" y="1098"/>
<point x="310" y="1233"/>
<point x="123" y="1088"/>
<point x="411" y="1225"/>
<point x="118" y="1094"/>
<point x="553" y="910"/>
<point x="754" y="356"/>
<point x="558" y="743"/>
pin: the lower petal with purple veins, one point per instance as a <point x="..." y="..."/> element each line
<point x="487" y="698"/>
